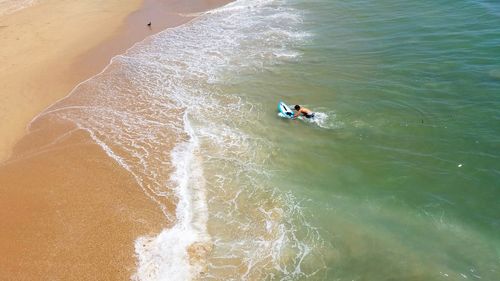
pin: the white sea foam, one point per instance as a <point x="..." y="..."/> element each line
<point x="11" y="6"/>
<point x="152" y="110"/>
<point x="165" y="257"/>
<point x="325" y="120"/>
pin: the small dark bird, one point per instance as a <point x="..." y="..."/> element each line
<point x="149" y="24"/>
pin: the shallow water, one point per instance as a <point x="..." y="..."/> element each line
<point x="396" y="180"/>
<point x="404" y="178"/>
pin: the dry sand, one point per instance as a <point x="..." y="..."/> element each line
<point x="67" y="210"/>
<point x="39" y="48"/>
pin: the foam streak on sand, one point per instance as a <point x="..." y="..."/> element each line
<point x="178" y="253"/>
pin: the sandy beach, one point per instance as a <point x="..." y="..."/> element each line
<point x="41" y="46"/>
<point x="69" y="212"/>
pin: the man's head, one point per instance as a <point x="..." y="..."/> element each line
<point x="297" y="107"/>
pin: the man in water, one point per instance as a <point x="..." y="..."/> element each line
<point x="303" y="111"/>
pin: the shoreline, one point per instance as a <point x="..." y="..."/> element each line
<point x="44" y="63"/>
<point x="70" y="211"/>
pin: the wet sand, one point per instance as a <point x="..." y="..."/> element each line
<point x="68" y="211"/>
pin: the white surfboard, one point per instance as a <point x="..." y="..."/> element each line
<point x="284" y="110"/>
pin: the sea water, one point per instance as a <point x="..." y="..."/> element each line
<point x="397" y="178"/>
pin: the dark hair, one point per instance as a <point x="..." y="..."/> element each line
<point x="297" y="107"/>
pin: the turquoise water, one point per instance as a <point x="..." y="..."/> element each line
<point x="397" y="178"/>
<point x="403" y="180"/>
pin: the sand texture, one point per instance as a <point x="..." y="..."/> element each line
<point x="69" y="213"/>
<point x="39" y="48"/>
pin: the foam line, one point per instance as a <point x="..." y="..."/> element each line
<point x="8" y="7"/>
<point x="47" y="110"/>
<point x="179" y="253"/>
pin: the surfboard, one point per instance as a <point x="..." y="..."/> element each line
<point x="284" y="110"/>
